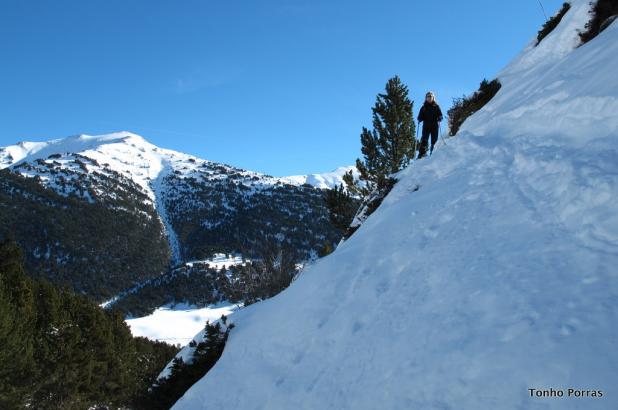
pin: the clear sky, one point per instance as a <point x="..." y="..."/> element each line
<point x="277" y="86"/>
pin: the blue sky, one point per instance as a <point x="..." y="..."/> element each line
<point x="277" y="86"/>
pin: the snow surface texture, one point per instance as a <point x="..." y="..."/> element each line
<point x="496" y="276"/>
<point x="177" y="324"/>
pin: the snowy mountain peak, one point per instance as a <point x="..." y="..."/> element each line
<point x="124" y="152"/>
<point x="133" y="156"/>
<point x="29" y="151"/>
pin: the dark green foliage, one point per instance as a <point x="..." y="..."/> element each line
<point x="235" y="214"/>
<point x="552" y="23"/>
<point x="466" y="106"/>
<point x="201" y="285"/>
<point x="61" y="351"/>
<point x="603" y="14"/>
<point x="197" y="285"/>
<point x="17" y="315"/>
<point x="391" y="145"/>
<point x="95" y="247"/>
<point x="387" y="149"/>
<point x="341" y="206"/>
<point x="183" y="375"/>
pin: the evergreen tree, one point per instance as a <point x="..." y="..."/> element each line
<point x="391" y="145"/>
<point x="341" y="206"/>
<point x="17" y="365"/>
<point x="387" y="149"/>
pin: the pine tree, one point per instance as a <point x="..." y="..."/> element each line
<point x="341" y="206"/>
<point x="387" y="149"/>
<point x="391" y="145"/>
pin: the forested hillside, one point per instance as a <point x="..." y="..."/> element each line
<point x="61" y="351"/>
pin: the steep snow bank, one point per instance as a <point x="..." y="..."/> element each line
<point x="498" y="275"/>
<point x="556" y="89"/>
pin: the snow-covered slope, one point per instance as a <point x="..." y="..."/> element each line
<point x="497" y="276"/>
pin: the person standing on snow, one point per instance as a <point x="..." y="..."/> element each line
<point x="431" y="116"/>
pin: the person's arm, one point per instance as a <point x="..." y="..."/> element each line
<point x="421" y="114"/>
<point x="439" y="114"/>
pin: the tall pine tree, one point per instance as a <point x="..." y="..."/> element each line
<point x="387" y="148"/>
<point x="391" y="145"/>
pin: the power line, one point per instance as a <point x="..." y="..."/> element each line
<point x="543" y="8"/>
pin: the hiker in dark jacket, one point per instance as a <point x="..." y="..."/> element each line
<point x="431" y="116"/>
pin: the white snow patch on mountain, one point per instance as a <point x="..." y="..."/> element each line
<point x="159" y="194"/>
<point x="326" y="180"/>
<point x="220" y="261"/>
<point x="498" y="275"/>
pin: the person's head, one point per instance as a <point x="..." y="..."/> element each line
<point x="430" y="97"/>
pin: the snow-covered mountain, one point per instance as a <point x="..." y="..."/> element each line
<point x="498" y="275"/>
<point x="131" y="155"/>
<point x="204" y="207"/>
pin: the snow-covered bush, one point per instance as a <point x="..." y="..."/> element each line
<point x="604" y="12"/>
<point x="466" y="106"/>
<point x="552" y="23"/>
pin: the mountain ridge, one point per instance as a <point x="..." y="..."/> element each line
<point x="28" y="151"/>
<point x="201" y="206"/>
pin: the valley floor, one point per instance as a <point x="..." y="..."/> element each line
<point x="178" y="324"/>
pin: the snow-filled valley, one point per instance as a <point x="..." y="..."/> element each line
<point x="177" y="324"/>
<point x="489" y="269"/>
